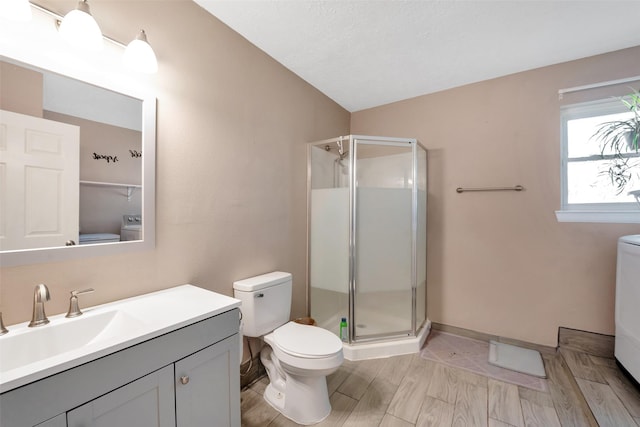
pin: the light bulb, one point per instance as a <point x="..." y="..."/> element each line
<point x="139" y="55"/>
<point x="79" y="28"/>
<point x="15" y="10"/>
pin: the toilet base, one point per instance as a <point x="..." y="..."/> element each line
<point x="308" y="401"/>
<point x="301" y="398"/>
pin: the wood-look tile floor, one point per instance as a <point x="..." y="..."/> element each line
<point x="409" y="391"/>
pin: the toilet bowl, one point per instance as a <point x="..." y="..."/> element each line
<point x="297" y="357"/>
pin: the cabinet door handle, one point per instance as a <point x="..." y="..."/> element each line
<point x="184" y="379"/>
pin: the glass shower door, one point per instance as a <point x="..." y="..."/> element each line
<point x="329" y="232"/>
<point x="382" y="246"/>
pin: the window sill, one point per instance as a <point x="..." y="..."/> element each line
<point x="616" y="217"/>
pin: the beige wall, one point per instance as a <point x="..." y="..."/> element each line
<point x="20" y="90"/>
<point x="231" y="165"/>
<point x="110" y="140"/>
<point x="101" y="208"/>
<point x="500" y="263"/>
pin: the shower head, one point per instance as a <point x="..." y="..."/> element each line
<point x="342" y="153"/>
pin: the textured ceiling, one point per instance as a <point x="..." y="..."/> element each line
<point x="365" y="53"/>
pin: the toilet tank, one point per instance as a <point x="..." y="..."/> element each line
<point x="266" y="302"/>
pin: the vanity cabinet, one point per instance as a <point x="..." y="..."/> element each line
<point x="185" y="378"/>
<point x="202" y="387"/>
<point x="147" y="402"/>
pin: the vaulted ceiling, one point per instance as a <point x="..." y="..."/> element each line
<point x="365" y="53"/>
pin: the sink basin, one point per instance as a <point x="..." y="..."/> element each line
<point x="29" y="354"/>
<point x="35" y="344"/>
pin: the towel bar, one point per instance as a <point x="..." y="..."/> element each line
<point x="516" y="188"/>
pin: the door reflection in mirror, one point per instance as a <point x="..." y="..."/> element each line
<point x="66" y="196"/>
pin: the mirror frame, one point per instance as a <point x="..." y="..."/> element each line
<point x="31" y="44"/>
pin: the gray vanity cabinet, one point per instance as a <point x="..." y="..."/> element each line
<point x="205" y="393"/>
<point x="147" y="402"/>
<point x="185" y="378"/>
<point x="195" y="391"/>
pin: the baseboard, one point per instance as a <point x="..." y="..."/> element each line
<point x="591" y="343"/>
<point x="488" y="337"/>
<point x="249" y="376"/>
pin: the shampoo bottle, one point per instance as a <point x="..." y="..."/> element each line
<point x="344" y="331"/>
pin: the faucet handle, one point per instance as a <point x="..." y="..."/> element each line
<point x="3" y="330"/>
<point x="74" y="308"/>
<point x="83" y="291"/>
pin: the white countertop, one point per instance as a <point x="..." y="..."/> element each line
<point x="129" y="322"/>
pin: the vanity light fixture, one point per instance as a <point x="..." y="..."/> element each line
<point x="80" y="29"/>
<point x="139" y="55"/>
<point x="15" y="10"/>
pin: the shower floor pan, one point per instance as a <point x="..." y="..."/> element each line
<point x="387" y="347"/>
<point x="383" y="347"/>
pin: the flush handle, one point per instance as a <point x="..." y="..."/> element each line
<point x="260" y="295"/>
<point x="184" y="379"/>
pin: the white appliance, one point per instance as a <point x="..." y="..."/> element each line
<point x="131" y="228"/>
<point x="627" y="347"/>
<point x="297" y="357"/>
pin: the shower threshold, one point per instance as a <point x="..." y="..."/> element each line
<point x="386" y="347"/>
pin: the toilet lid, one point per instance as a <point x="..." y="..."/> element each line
<point x="305" y="340"/>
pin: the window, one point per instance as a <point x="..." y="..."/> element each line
<point x="588" y="194"/>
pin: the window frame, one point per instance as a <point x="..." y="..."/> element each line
<point x="627" y="212"/>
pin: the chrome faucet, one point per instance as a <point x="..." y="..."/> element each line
<point x="3" y="330"/>
<point x="40" y="295"/>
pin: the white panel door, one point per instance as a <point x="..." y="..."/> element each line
<point x="208" y="386"/>
<point x="147" y="402"/>
<point x="39" y="182"/>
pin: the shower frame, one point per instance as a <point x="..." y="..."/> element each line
<point x="353" y="142"/>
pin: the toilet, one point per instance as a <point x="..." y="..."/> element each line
<point x="297" y="357"/>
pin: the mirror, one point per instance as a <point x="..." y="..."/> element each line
<point x="100" y="197"/>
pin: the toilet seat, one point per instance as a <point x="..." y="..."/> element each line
<point x="309" y="342"/>
<point x="294" y="346"/>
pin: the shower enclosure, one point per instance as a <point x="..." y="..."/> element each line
<point x="367" y="239"/>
